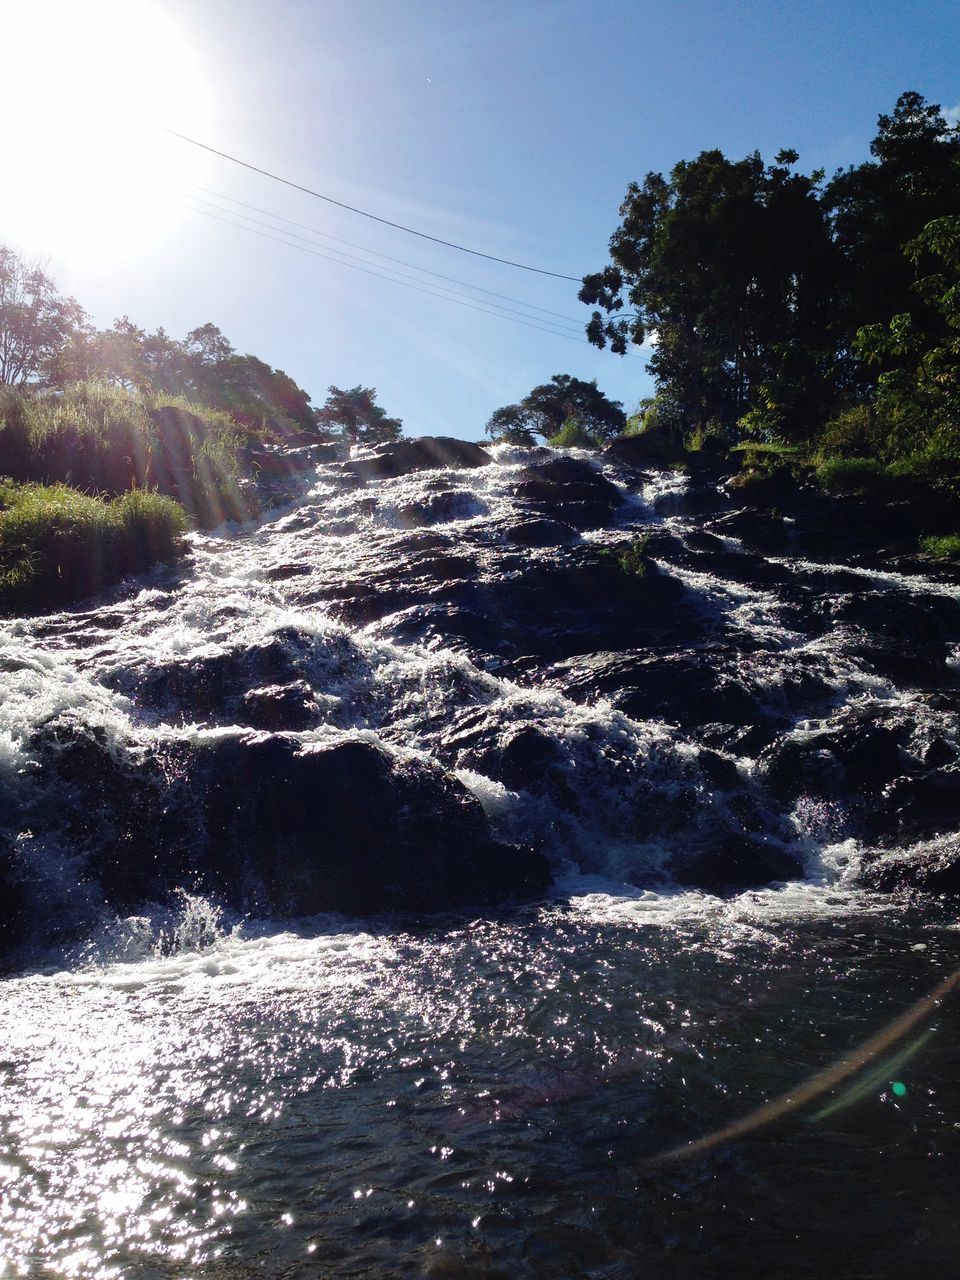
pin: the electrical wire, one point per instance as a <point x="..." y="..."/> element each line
<point x="398" y="226"/>
<point x="506" y="297"/>
<point x="573" y="326"/>
<point x="444" y="296"/>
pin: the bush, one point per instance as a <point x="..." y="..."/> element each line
<point x="946" y="546"/>
<point x="852" y="476"/>
<point x="97" y="437"/>
<point x="573" y="435"/>
<point x="58" y="545"/>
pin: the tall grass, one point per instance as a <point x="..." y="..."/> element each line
<point x="101" y="438"/>
<point x="58" y="545"/>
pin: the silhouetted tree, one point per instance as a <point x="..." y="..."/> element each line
<point x="354" y="415"/>
<point x="36" y="321"/>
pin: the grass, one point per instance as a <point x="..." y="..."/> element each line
<point x="100" y="438"/>
<point x="946" y="546"/>
<point x="58" y="545"/>
<point x="852" y="476"/>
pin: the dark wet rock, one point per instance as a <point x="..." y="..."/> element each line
<point x="209" y="686"/>
<point x="734" y="863"/>
<point x="647" y="450"/>
<point x="283" y="572"/>
<point x="461" y="629"/>
<point x="526" y="759"/>
<point x="440" y="508"/>
<point x="540" y="533"/>
<point x="423" y="454"/>
<point x="14" y="917"/>
<point x="915" y="808"/>
<point x="280" y="707"/>
<point x="841" y="528"/>
<point x="687" y="688"/>
<point x="278" y="464"/>
<point x="694" y="500"/>
<point x="859" y="754"/>
<point x="755" y="527"/>
<point x="349" y="828"/>
<point x="584" y="599"/>
<point x="120" y="813"/>
<point x="933" y="867"/>
<point x="570" y="490"/>
<point x="772" y="488"/>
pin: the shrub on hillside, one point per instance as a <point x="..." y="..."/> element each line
<point x="95" y="436"/>
<point x="946" y="546"/>
<point x="573" y="435"/>
<point x="853" y="476"/>
<point x="58" y="545"/>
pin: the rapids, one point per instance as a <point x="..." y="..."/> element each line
<point x="735" y="743"/>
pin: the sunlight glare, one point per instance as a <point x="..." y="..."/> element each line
<point x="90" y="176"/>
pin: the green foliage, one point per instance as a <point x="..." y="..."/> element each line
<point x="36" y="321"/>
<point x="852" y="475"/>
<point x="634" y="559"/>
<point x="573" y="435"/>
<point x="58" y="545"/>
<point x="729" y="263"/>
<point x="509" y="425"/>
<point x="785" y="308"/>
<point x="946" y="546"/>
<point x="547" y="409"/>
<point x="354" y="415"/>
<point x="95" y="436"/>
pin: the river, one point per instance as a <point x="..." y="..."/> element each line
<point x="194" y="1087"/>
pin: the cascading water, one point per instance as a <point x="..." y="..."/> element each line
<point x="723" y="744"/>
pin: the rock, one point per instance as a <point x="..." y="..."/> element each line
<point x="540" y="533"/>
<point x="440" y="508"/>
<point x="279" y="464"/>
<point x="280" y="707"/>
<point x="349" y="828"/>
<point x="755" y="527"/>
<point x="13" y="902"/>
<point x="734" y="863"/>
<point x="916" y="808"/>
<point x="932" y="867"/>
<point x="685" y="688"/>
<point x="425" y="453"/>
<point x="569" y="490"/>
<point x="649" y="449"/>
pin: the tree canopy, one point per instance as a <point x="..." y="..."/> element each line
<point x="354" y="415"/>
<point x="547" y="408"/>
<point x="755" y="279"/>
<point x="35" y="320"/>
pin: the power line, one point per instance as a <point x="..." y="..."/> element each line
<point x="434" y="293"/>
<point x="376" y="253"/>
<point x="572" y="327"/>
<point x="398" y="226"/>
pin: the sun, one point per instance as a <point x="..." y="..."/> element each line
<point x="88" y="86"/>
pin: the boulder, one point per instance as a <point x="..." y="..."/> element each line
<point x="280" y="707"/>
<point x="569" y="490"/>
<point x="349" y="828"/>
<point x="648" y="449"/>
<point x="734" y="863"/>
<point x="933" y="867"/>
<point x="426" y="453"/>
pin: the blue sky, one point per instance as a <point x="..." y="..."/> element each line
<point x="511" y="127"/>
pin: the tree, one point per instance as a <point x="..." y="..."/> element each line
<point x="549" y="407"/>
<point x="731" y="264"/>
<point x="919" y="398"/>
<point x="510" y="425"/>
<point x="876" y="208"/>
<point x="354" y="415"/>
<point x="36" y="321"/>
